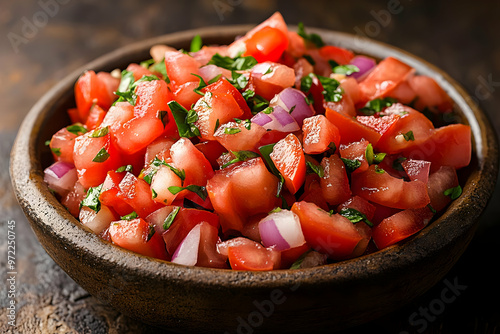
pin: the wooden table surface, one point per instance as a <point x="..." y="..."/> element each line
<point x="42" y="41"/>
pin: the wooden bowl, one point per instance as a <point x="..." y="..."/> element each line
<point x="184" y="299"/>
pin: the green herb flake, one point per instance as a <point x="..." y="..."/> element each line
<point x="101" y="156"/>
<point x="314" y="169"/>
<point x="345" y="69"/>
<point x="91" y="199"/>
<point x="454" y="192"/>
<point x="332" y="91"/>
<point x="56" y="151"/>
<point x="351" y="164"/>
<point x="198" y="190"/>
<point x="310" y="38"/>
<point x="127" y="168"/>
<point x="101" y="132"/>
<point x="233" y="64"/>
<point x="170" y="218"/>
<point x="130" y="216"/>
<point x="379" y="170"/>
<point x="298" y="262"/>
<point x="151" y="232"/>
<point x="377" y="105"/>
<point x="240" y="156"/>
<point x="76" y="129"/>
<point x="184" y="120"/>
<point x="396" y="164"/>
<point x="231" y="131"/>
<point x="409" y="136"/>
<point x="196" y="44"/>
<point x="202" y="84"/>
<point x="355" y="216"/>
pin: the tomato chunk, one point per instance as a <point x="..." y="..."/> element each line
<point x="288" y="158"/>
<point x="334" y="183"/>
<point x="267" y="44"/>
<point x="318" y="134"/>
<point x="245" y="254"/>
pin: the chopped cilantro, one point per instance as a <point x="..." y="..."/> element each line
<point x="76" y="129"/>
<point x="170" y="218"/>
<point x="196" y="44"/>
<point x="409" y="136"/>
<point x="311" y="38"/>
<point x="101" y="156"/>
<point x="376" y="105"/>
<point x="198" y="190"/>
<point x="454" y="192"/>
<point x="130" y="216"/>
<point x="233" y="64"/>
<point x="314" y="169"/>
<point x="91" y="199"/>
<point x="355" y="216"/>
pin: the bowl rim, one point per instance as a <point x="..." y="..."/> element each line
<point x="41" y="206"/>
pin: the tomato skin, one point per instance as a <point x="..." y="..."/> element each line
<point x="384" y="189"/>
<point x="63" y="142"/>
<point x="185" y="220"/>
<point x="356" y="151"/>
<point x="73" y="199"/>
<point x="222" y="86"/>
<point x="400" y="226"/>
<point x="185" y="156"/>
<point x="350" y="129"/>
<point x="448" y="145"/>
<point x="430" y="94"/>
<point x="90" y="89"/>
<point x="92" y="173"/>
<point x="245" y="254"/>
<point x="319" y="133"/>
<point x="137" y="193"/>
<point x="439" y="181"/>
<point x="109" y="192"/>
<point x="288" y="157"/>
<point x="335" y="183"/>
<point x="268" y="79"/>
<point x="333" y="235"/>
<point x="134" y="234"/>
<point x="339" y="55"/>
<point x="267" y="44"/>
<point x="384" y="78"/>
<point x="180" y="68"/>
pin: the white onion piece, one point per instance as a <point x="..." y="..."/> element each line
<point x="187" y="252"/>
<point x="209" y="72"/>
<point x="281" y="230"/>
<point x="365" y="65"/>
<point x="294" y="100"/>
<point x="96" y="221"/>
<point x="60" y="177"/>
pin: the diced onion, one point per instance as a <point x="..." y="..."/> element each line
<point x="60" y="177"/>
<point x="187" y="252"/>
<point x="209" y="72"/>
<point x="365" y="65"/>
<point x="281" y="230"/>
<point x="281" y="120"/>
<point x="261" y="119"/>
<point x="293" y="101"/>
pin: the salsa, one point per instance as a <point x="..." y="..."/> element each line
<point x="276" y="151"/>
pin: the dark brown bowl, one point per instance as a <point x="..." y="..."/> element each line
<point x="205" y="300"/>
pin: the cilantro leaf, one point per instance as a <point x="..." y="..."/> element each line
<point x="130" y="216"/>
<point x="76" y="129"/>
<point x="376" y="105"/>
<point x="101" y="156"/>
<point x="454" y="192"/>
<point x="91" y="199"/>
<point x="409" y="136"/>
<point x="355" y="216"/>
<point x="311" y="38"/>
<point x="196" y="44"/>
<point x="233" y="64"/>
<point x="240" y="156"/>
<point x="198" y="190"/>
<point x="351" y="164"/>
<point x="314" y="169"/>
<point x="184" y="120"/>
<point x="170" y="218"/>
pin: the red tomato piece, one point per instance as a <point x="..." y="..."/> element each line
<point x="89" y="90"/>
<point x="213" y="109"/>
<point x="138" y="71"/>
<point x="93" y="157"/>
<point x="240" y="137"/>
<point x="222" y="86"/>
<point x="379" y="124"/>
<point x="185" y="156"/>
<point x="449" y="145"/>
<point x="95" y="118"/>
<point x="289" y="256"/>
<point x="118" y="115"/>
<point x="429" y="94"/>
<point x="334" y="183"/>
<point x="138" y="236"/>
<point x="378" y="186"/>
<point x="73" y="199"/>
<point x="345" y="106"/>
<point x="62" y="145"/>
<point x="288" y="157"/>
<point x="137" y="193"/>
<point x="356" y="151"/>
<point x="180" y="68"/>
<point x="313" y="193"/>
<point x="245" y="254"/>
<point x="267" y="44"/>
<point x="330" y="234"/>
<point x="384" y="78"/>
<point x="162" y="180"/>
<point x="417" y="169"/>
<point x="360" y="204"/>
<point x="319" y="133"/>
<point x="439" y="181"/>
<point x="268" y="79"/>
<point x="185" y="94"/>
<point x="159" y="148"/>
<point x="109" y="192"/>
<point x="212" y="150"/>
<point x="350" y="129"/>
<point x="339" y="55"/>
<point x="400" y="226"/>
<point x="185" y="220"/>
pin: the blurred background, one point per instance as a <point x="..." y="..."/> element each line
<point x="42" y="41"/>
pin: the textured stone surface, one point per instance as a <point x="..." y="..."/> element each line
<point x="461" y="38"/>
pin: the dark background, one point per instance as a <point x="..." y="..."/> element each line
<point x="43" y="41"/>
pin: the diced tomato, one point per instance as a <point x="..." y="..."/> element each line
<point x="137" y="193"/>
<point x="208" y="256"/>
<point x="159" y="148"/>
<point x="95" y="118"/>
<point x="73" y="199"/>
<point x="334" y="183"/>
<point x="267" y="44"/>
<point x="288" y="157"/>
<point x="439" y="181"/>
<point x="241" y="190"/>
<point x="184" y="221"/>
<point x="89" y="90"/>
<point x="268" y="79"/>
<point x="400" y="226"/>
<point x="111" y="84"/>
<point x="312" y="192"/>
<point x="378" y="186"/>
<point x="356" y="151"/>
<point x="185" y="95"/>
<point x="161" y="182"/>
<point x="350" y="129"/>
<point x="339" y="55"/>
<point x="93" y="157"/>
<point x="360" y="204"/>
<point x="241" y="136"/>
<point x="447" y="146"/>
<point x="330" y="234"/>
<point x="403" y="92"/>
<point x="138" y="236"/>
<point x="351" y="89"/>
<point x="180" y="68"/>
<point x="222" y="86"/>
<point x="74" y="116"/>
<point x="384" y="78"/>
<point x="213" y="109"/>
<point x="138" y="71"/>
<point x="382" y="212"/>
<point x="245" y="254"/>
<point x="185" y="156"/>
<point x="62" y="144"/>
<point x="345" y="106"/>
<point x="118" y="115"/>
<point x="429" y="94"/>
<point x="212" y="150"/>
<point x="379" y="124"/>
<point x="109" y="192"/>
<point x="289" y="256"/>
<point x="417" y="169"/>
<point x="319" y="133"/>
